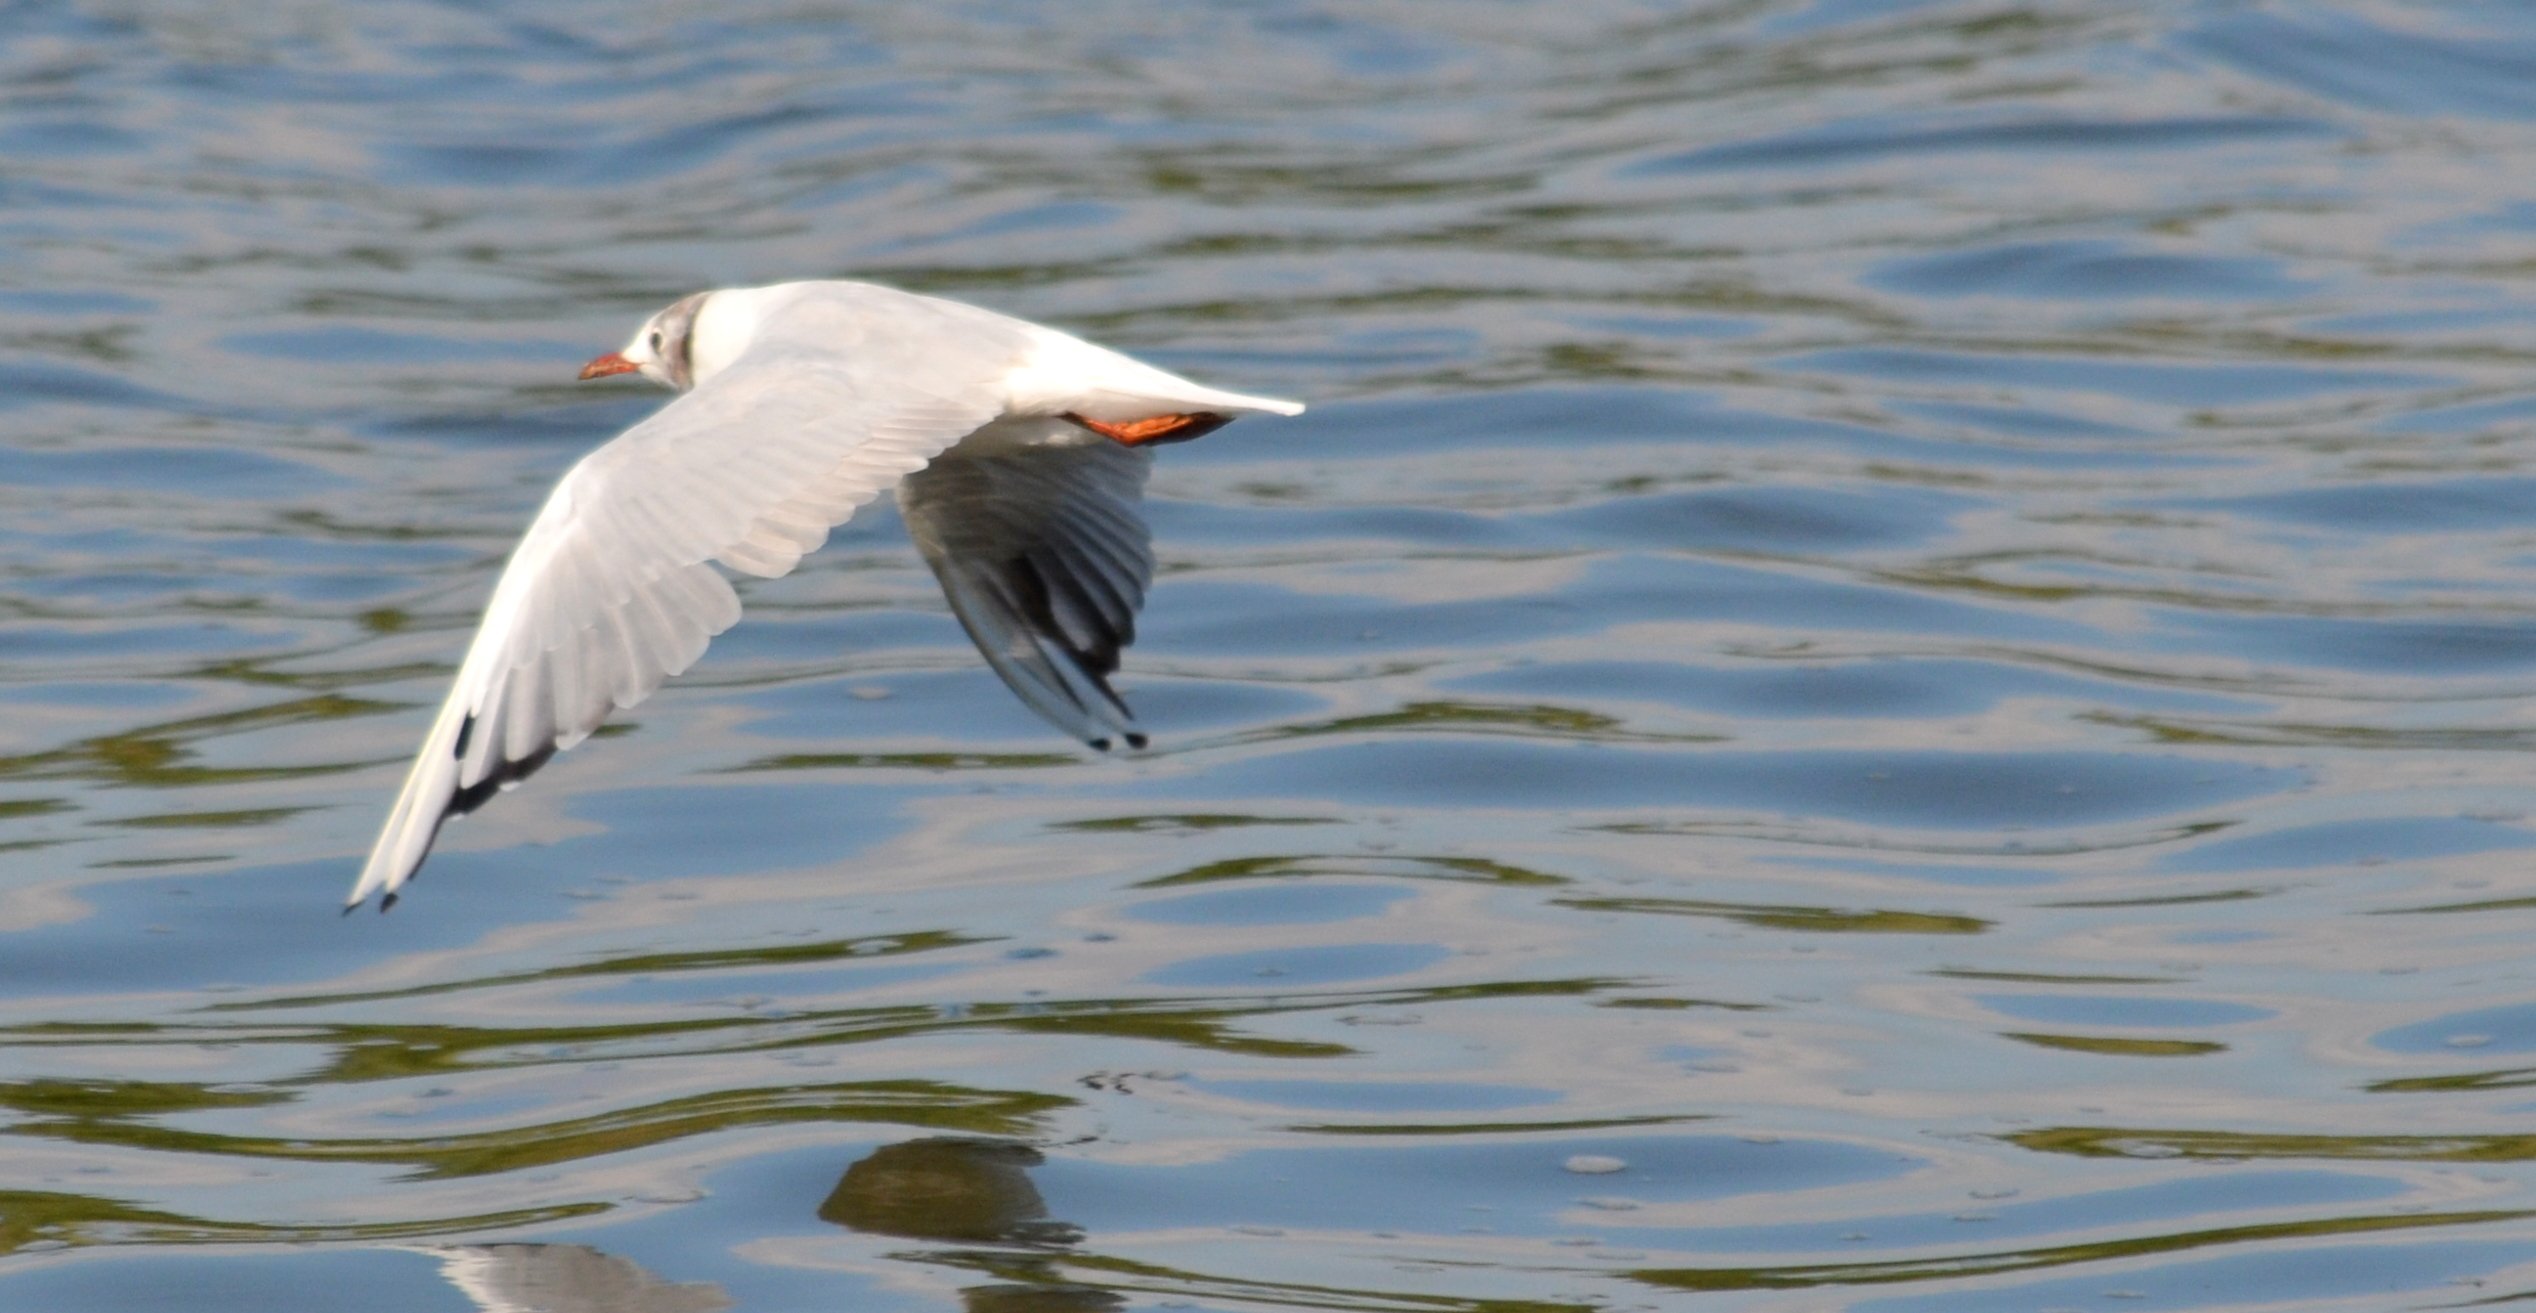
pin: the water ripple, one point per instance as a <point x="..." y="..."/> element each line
<point x="1889" y="671"/>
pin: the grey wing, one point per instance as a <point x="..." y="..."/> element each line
<point x="614" y="587"/>
<point x="1044" y="557"/>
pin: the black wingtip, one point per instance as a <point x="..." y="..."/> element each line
<point x="1099" y="745"/>
<point x="386" y="901"/>
<point x="1135" y="740"/>
<point x="350" y="908"/>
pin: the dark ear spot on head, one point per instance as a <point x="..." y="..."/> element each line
<point x="678" y="329"/>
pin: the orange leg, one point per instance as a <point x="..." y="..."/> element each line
<point x="1160" y="428"/>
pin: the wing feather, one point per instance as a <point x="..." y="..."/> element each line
<point x="1045" y="559"/>
<point x="612" y="590"/>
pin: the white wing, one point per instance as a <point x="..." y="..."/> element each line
<point x="1045" y="559"/>
<point x="612" y="589"/>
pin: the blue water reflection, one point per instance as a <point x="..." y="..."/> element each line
<point x="1910" y="790"/>
<point x="1509" y="1189"/>
<point x="1308" y="904"/>
<point x="2087" y="270"/>
<point x="2119" y="1010"/>
<point x="1298" y="967"/>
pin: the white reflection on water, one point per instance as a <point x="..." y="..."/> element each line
<point x="567" y="1279"/>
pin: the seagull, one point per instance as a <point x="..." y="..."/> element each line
<point x="1018" y="454"/>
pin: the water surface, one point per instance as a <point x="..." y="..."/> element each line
<point x="1887" y="674"/>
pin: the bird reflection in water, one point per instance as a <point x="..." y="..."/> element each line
<point x="969" y="1192"/>
<point x="567" y="1279"/>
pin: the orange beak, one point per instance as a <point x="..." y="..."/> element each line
<point x="611" y="363"/>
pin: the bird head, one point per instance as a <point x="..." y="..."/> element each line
<point x="663" y="349"/>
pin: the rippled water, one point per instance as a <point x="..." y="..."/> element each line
<point x="1892" y="672"/>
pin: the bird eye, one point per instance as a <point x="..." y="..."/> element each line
<point x="655" y="341"/>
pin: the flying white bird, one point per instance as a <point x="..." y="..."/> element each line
<point x="1016" y="450"/>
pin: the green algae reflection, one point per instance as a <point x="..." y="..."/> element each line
<point x="929" y="1104"/>
<point x="1467" y="870"/>
<point x="143" y="1114"/>
<point x="2123" y="1142"/>
<point x="649" y="964"/>
<point x="2117" y="1046"/>
<point x="33" y="1218"/>
<point x="1768" y="916"/>
<point x="1956" y="1266"/>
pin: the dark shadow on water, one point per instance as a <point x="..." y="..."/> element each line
<point x="958" y="1189"/>
<point x="966" y="1192"/>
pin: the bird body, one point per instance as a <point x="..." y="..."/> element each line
<point x="1018" y="457"/>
